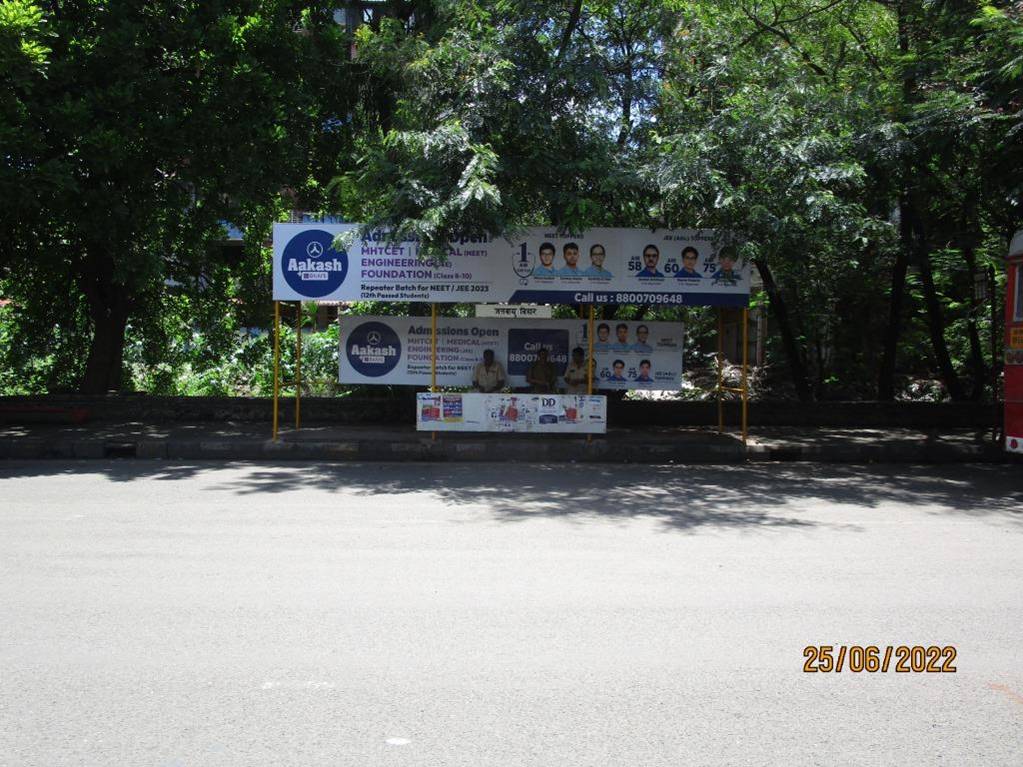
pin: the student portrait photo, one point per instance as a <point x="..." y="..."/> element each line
<point x="726" y="275"/>
<point x="570" y="252"/>
<point x="622" y="344"/>
<point x="644" y="372"/>
<point x="651" y="255"/>
<point x="597" y="256"/>
<point x="546" y="268"/>
<point x="618" y="371"/>
<point x="642" y="333"/>
<point x="690" y="257"/>
<point x="602" y="343"/>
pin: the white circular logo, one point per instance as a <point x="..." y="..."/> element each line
<point x="314" y="249"/>
<point x="373" y="337"/>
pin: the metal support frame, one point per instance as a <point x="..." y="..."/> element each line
<point x="589" y="363"/>
<point x="278" y="383"/>
<point x="720" y="389"/>
<point x="277" y="362"/>
<point x="589" y="360"/>
<point x="298" y="365"/>
<point x="433" y="355"/>
<point x="743" y="390"/>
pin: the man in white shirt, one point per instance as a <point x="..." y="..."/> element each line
<point x="488" y="376"/>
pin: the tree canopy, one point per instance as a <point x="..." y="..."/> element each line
<point x="864" y="154"/>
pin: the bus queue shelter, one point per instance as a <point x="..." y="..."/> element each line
<point x="344" y="262"/>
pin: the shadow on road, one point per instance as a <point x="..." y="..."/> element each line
<point x="681" y="497"/>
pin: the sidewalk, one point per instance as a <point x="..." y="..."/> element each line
<point x="249" y="441"/>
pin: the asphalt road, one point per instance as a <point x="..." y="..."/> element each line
<point x="161" y="614"/>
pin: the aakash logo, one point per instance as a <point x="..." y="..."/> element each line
<point x="373" y="349"/>
<point x="310" y="264"/>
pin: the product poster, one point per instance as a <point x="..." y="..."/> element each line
<point x="580" y="414"/>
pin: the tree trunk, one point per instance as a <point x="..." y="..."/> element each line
<point x="936" y="326"/>
<point x="108" y="309"/>
<point x="886" y="375"/>
<point x="104" y="366"/>
<point x="797" y="366"/>
<point x="977" y="366"/>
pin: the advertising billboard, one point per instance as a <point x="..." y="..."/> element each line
<point x="397" y="350"/>
<point x="598" y="266"/>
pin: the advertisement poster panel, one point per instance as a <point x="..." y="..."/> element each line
<point x="540" y="265"/>
<point x="397" y="350"/>
<point x="558" y="413"/>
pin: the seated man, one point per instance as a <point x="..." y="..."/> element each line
<point x="577" y="377"/>
<point x="542" y="377"/>
<point x="488" y="376"/>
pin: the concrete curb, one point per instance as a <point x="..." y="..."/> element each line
<point x="570" y="450"/>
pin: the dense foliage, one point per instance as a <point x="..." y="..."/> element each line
<point x="864" y="154"/>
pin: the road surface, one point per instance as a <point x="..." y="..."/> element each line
<point x="398" y="614"/>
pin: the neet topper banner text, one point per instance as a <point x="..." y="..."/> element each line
<point x="600" y="266"/>
<point x="397" y="350"/>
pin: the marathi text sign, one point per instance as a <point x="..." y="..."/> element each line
<point x="397" y="350"/>
<point x="563" y="413"/>
<point x="600" y="266"/>
<point x="514" y="311"/>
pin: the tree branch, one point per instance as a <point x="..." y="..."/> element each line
<point x="566" y="36"/>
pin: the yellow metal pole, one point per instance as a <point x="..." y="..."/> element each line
<point x="721" y="369"/>
<point x="589" y="361"/>
<point x="589" y="365"/>
<point x="277" y="360"/>
<point x="433" y="354"/>
<point x="298" y="366"/>
<point x="433" y="347"/>
<point x="745" y="373"/>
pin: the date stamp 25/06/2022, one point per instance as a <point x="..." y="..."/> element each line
<point x="903" y="659"/>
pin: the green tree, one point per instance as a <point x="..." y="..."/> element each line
<point x="149" y="125"/>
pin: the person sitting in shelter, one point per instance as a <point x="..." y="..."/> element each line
<point x="488" y="376"/>
<point x="577" y="377"/>
<point x="542" y="376"/>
